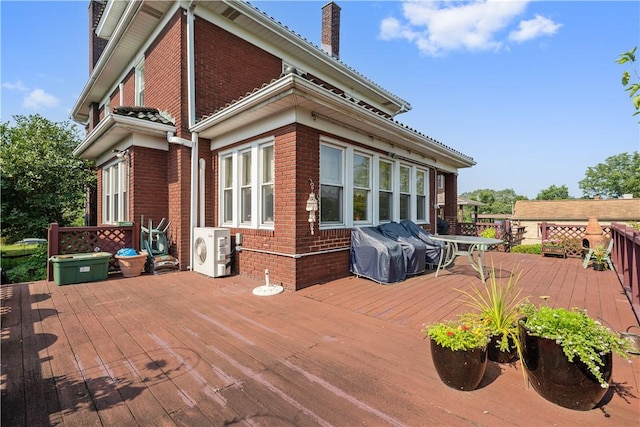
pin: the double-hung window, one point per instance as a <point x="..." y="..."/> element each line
<point x="139" y="84"/>
<point x="268" y="172"/>
<point x="247" y="186"/>
<point x="421" y="195"/>
<point x="115" y="204"/>
<point x="361" y="188"/>
<point x="385" y="190"/>
<point x="331" y="184"/>
<point x="405" y="192"/>
<point x="227" y="189"/>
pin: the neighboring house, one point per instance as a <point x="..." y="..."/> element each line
<point x="530" y="213"/>
<point x="211" y="113"/>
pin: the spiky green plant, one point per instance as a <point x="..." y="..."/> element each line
<point x="499" y="305"/>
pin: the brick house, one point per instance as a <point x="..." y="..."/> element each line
<point x="213" y="114"/>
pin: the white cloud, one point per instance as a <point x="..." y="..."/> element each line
<point x="443" y="25"/>
<point x="38" y="98"/>
<point x="18" y="85"/>
<point x="533" y="28"/>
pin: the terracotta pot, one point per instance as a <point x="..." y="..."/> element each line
<point x="459" y="369"/>
<point x="132" y="266"/>
<point x="568" y="384"/>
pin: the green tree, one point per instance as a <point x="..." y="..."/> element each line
<point x="554" y="193"/>
<point x="495" y="201"/>
<point x="630" y="86"/>
<point x="618" y="175"/>
<point x="41" y="181"/>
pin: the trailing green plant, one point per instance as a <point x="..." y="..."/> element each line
<point x="465" y="333"/>
<point x="578" y="334"/>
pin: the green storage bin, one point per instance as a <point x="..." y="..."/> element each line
<point x="80" y="268"/>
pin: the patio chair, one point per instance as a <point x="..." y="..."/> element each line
<point x="606" y="258"/>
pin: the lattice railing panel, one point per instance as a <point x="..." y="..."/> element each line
<point x="571" y="236"/>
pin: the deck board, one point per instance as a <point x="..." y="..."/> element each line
<point x="184" y="349"/>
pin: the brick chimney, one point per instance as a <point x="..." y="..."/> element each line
<point x="96" y="44"/>
<point x="331" y="29"/>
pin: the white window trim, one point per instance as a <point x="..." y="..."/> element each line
<point x="109" y="215"/>
<point x="139" y="83"/>
<point x="348" y="187"/>
<point x="255" y="148"/>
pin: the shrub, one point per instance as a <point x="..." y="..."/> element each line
<point x="488" y="233"/>
<point x="535" y="249"/>
<point x="31" y="268"/>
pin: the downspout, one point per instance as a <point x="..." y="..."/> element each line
<point x="191" y="99"/>
<point x="203" y="165"/>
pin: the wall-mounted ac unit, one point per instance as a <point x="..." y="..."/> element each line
<point x="212" y="251"/>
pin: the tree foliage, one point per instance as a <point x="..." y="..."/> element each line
<point x="618" y="175"/>
<point x="632" y="87"/>
<point x="495" y="201"/>
<point x="554" y="193"/>
<point x="42" y="182"/>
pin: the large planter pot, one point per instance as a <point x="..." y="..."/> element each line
<point x="459" y="369"/>
<point x="555" y="378"/>
<point x="132" y="266"/>
<point x="497" y="355"/>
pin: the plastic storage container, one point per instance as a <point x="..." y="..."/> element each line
<point x="80" y="268"/>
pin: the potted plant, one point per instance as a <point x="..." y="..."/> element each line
<point x="599" y="253"/>
<point x="553" y="246"/>
<point x="568" y="355"/>
<point x="459" y="351"/>
<point x="498" y="303"/>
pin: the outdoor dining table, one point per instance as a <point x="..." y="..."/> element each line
<point x="452" y="250"/>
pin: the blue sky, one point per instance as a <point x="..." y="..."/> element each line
<point x="530" y="90"/>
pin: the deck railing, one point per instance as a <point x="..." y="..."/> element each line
<point x="571" y="236"/>
<point x="626" y="260"/>
<point x="103" y="238"/>
<point x="505" y="230"/>
<point x="625" y="253"/>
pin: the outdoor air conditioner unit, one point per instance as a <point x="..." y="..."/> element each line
<point x="212" y="251"/>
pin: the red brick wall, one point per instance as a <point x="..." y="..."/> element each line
<point x="148" y="181"/>
<point x="222" y="77"/>
<point x="129" y="89"/>
<point x="165" y="73"/>
<point x="451" y="199"/>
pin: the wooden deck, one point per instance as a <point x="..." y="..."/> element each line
<point x="184" y="349"/>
